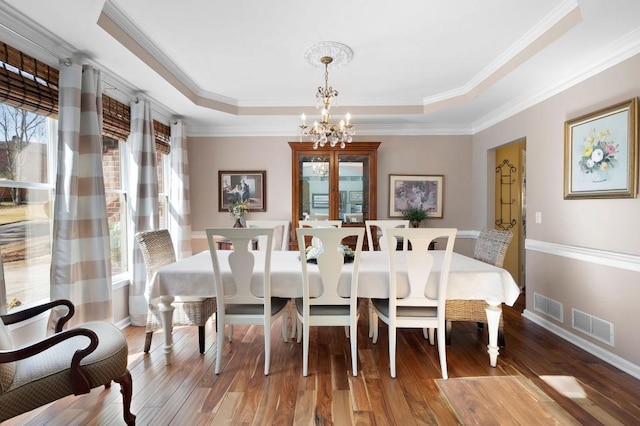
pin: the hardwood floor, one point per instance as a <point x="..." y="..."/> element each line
<point x="188" y="391"/>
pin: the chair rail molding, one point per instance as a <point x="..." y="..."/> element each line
<point x="602" y="257"/>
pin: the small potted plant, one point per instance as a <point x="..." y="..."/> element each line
<point x="415" y="215"/>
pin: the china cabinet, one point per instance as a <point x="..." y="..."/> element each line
<point x="333" y="183"/>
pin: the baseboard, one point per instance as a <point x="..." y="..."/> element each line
<point x="606" y="356"/>
<point x="123" y="323"/>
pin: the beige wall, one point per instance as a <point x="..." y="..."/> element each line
<point x="431" y="155"/>
<point x="556" y="264"/>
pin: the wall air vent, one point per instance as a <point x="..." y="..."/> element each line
<point x="549" y="307"/>
<point x="593" y="326"/>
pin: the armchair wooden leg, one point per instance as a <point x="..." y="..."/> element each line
<point x="147" y="341"/>
<point x="201" y="338"/>
<point x="126" y="388"/>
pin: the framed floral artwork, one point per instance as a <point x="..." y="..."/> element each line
<point x="245" y="187"/>
<point x="420" y="191"/>
<point x="601" y="153"/>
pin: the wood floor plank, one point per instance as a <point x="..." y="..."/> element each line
<point x="368" y="367"/>
<point x="340" y="371"/>
<point x="286" y="403"/>
<point x="304" y="413"/>
<point x="358" y="390"/>
<point x="341" y="410"/>
<point x="380" y="405"/>
<point x="324" y="395"/>
<point x="227" y="407"/>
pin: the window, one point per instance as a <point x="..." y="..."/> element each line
<point x="28" y="155"/>
<point x="114" y="165"/>
<point x="27" y="145"/>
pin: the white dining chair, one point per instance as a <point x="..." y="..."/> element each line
<point x="329" y="308"/>
<point x="280" y="242"/>
<point x="378" y="227"/>
<point x="239" y="302"/>
<point x="424" y="305"/>
<point x="280" y="232"/>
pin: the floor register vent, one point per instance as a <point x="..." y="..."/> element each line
<point x="595" y="327"/>
<point x="549" y="307"/>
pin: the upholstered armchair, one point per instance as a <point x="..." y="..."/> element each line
<point x="69" y="362"/>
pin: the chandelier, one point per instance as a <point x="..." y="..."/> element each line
<point x="323" y="132"/>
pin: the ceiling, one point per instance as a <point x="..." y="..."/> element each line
<point x="419" y="67"/>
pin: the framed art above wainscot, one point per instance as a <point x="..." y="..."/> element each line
<point x="420" y="191"/>
<point x="601" y="153"/>
<point x="242" y="186"/>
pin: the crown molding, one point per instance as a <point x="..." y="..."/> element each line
<point x="564" y="17"/>
<point x="22" y="33"/>
<point x="613" y="54"/>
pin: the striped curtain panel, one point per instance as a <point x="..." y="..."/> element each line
<point x="3" y="290"/>
<point x="80" y="258"/>
<point x="143" y="202"/>
<point x="179" y="199"/>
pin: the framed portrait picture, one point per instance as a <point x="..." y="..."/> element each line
<point x="422" y="191"/>
<point x="242" y="186"/>
<point x="601" y="153"/>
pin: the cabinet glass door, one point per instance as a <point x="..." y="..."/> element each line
<point x="353" y="184"/>
<point x="314" y="187"/>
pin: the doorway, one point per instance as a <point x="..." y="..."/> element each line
<point x="510" y="203"/>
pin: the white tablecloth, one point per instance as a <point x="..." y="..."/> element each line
<point x="468" y="278"/>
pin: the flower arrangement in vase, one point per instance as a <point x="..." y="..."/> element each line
<point x="415" y="215"/>
<point x="238" y="209"/>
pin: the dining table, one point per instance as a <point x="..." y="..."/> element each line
<point x="469" y="279"/>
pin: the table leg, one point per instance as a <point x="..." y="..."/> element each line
<point x="166" y="317"/>
<point x="493" y="321"/>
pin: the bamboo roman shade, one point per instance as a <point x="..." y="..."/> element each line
<point x="27" y="83"/>
<point x="116" y="119"/>
<point x="32" y="85"/>
<point x="162" y="134"/>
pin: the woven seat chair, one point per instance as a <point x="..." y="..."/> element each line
<point x="157" y="251"/>
<point x="491" y="247"/>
